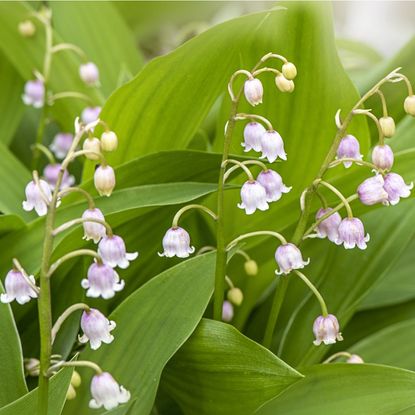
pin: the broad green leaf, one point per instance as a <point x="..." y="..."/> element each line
<point x="113" y="51"/>
<point x="10" y="223"/>
<point x="345" y="389"/>
<point x="166" y="310"/>
<point x="12" y="384"/>
<point x="26" y="405"/>
<point x="220" y="371"/>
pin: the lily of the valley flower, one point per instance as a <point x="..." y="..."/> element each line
<point x="97" y="328"/>
<point x="61" y="144"/>
<point x="51" y="173"/>
<point x="272" y="182"/>
<point x="252" y="136"/>
<point x="34" y="93"/>
<point x="396" y="188"/>
<point x="253" y="197"/>
<point x="90" y="114"/>
<point x="103" y="281"/>
<point x="288" y="258"/>
<point x="109" y="141"/>
<point x="104" y="180"/>
<point x="93" y="145"/>
<point x="38" y="197"/>
<point x="176" y="242"/>
<point x="382" y="157"/>
<point x="352" y="233"/>
<point x="329" y="227"/>
<point x="17" y="288"/>
<point x="349" y="147"/>
<point x="107" y="392"/>
<point x="253" y="91"/>
<point x="89" y="73"/>
<point x="227" y="311"/>
<point x="371" y="191"/>
<point x="355" y="359"/>
<point x="272" y="146"/>
<point x="113" y="252"/>
<point x="93" y="230"/>
<point x="326" y="330"/>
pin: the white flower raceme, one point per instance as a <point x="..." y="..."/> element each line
<point x="288" y="258"/>
<point x="272" y="182"/>
<point x="113" y="252"/>
<point x="17" y="288"/>
<point x="38" y="197"/>
<point x="253" y="91"/>
<point x="326" y="330"/>
<point x="272" y="146"/>
<point x="107" y="392"/>
<point x="97" y="328"/>
<point x="93" y="230"/>
<point x="253" y="197"/>
<point x="176" y="242"/>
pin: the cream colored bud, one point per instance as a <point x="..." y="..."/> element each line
<point x="409" y="105"/>
<point x="71" y="393"/>
<point x="251" y="267"/>
<point x="27" y="28"/>
<point x="289" y="70"/>
<point x="94" y="145"/>
<point x="235" y="296"/>
<point x="76" y="379"/>
<point x="104" y="180"/>
<point x="387" y="126"/>
<point x="284" y="84"/>
<point x="109" y="141"/>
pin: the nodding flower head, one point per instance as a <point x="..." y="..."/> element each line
<point x="94" y="145"/>
<point x="352" y="233"/>
<point x="227" y="311"/>
<point x="289" y="70"/>
<point x="288" y="258"/>
<point x="409" y="105"/>
<point x="17" y="288"/>
<point x="34" y="93"/>
<point x="329" y="227"/>
<point x="38" y="197"/>
<point x="253" y="197"/>
<point x="107" y="392"/>
<point x="326" y="330"/>
<point x="103" y="281"/>
<point x="253" y="91"/>
<point x="349" y="147"/>
<point x="93" y="230"/>
<point x="113" y="252"/>
<point x="97" y="328"/>
<point x="51" y="173"/>
<point x="272" y="182"/>
<point x="252" y="136"/>
<point x="396" y="188"/>
<point x="176" y="242"/>
<point x="387" y="125"/>
<point x="235" y="296"/>
<point x="354" y="359"/>
<point x="109" y="141"/>
<point x="89" y="73"/>
<point x="104" y="180"/>
<point x="284" y="84"/>
<point x="61" y="144"/>
<point x="90" y="114"/>
<point x="272" y="146"/>
<point x="382" y="157"/>
<point x="371" y="191"/>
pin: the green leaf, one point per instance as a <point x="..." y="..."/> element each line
<point x="166" y="310"/>
<point x="345" y="389"/>
<point x="10" y="223"/>
<point x="220" y="371"/>
<point x="13" y="384"/>
<point x="26" y="405"/>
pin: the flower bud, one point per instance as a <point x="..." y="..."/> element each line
<point x="107" y="392"/>
<point x="382" y="157"/>
<point x="289" y="70"/>
<point x="104" y="180"/>
<point x="272" y="182"/>
<point x="32" y="367"/>
<point x="326" y="330"/>
<point x="253" y="197"/>
<point x="409" y="105"/>
<point x="272" y="146"/>
<point x="176" y="242"/>
<point x="94" y="145"/>
<point x="329" y="227"/>
<point x="109" y="141"/>
<point x="251" y="267"/>
<point x="371" y="191"/>
<point x="349" y="147"/>
<point x="93" y="230"/>
<point x="235" y="296"/>
<point x="288" y="258"/>
<point x="71" y="393"/>
<point x="27" y="28"/>
<point x="387" y="125"/>
<point x="253" y="91"/>
<point x="284" y="84"/>
<point x="35" y="197"/>
<point x="61" y="144"/>
<point x="113" y="252"/>
<point x="227" y="311"/>
<point x="352" y="233"/>
<point x="89" y="73"/>
<point x="396" y="188"/>
<point x="34" y="93"/>
<point x="252" y="136"/>
<point x="76" y="379"/>
<point x="96" y="328"/>
<point x="17" y="288"/>
<point x="355" y="359"/>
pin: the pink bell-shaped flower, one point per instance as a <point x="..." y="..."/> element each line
<point x="38" y="197"/>
<point x="252" y="136"/>
<point x="93" y="230"/>
<point x="253" y="91"/>
<point x="273" y="185"/>
<point x="326" y="330"/>
<point x="113" y="252"/>
<point x="272" y="146"/>
<point x="371" y="191"/>
<point x="396" y="188"/>
<point x="288" y="258"/>
<point x="352" y="233"/>
<point x="349" y="147"/>
<point x="329" y="228"/>
<point x="17" y="288"/>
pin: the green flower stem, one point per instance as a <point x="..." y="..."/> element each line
<point x="356" y="161"/>
<point x="375" y="120"/>
<point x="78" y="221"/>
<point x="88" y="197"/>
<point x="245" y="163"/>
<point x="243" y="116"/>
<point x="180" y="212"/>
<point x="237" y="164"/>
<point x="383" y="101"/>
<point x="316" y="292"/>
<point x="256" y="233"/>
<point x="339" y="195"/>
<point x="79" y="363"/>
<point x="69" y="46"/>
<point x="79" y="153"/>
<point x="70" y="94"/>
<point x="43" y="149"/>
<point x="336" y="355"/>
<point x="62" y="318"/>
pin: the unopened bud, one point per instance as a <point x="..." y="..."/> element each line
<point x="109" y="141"/>
<point x="76" y="379"/>
<point x="27" y="28"/>
<point x="251" y="267"/>
<point x="289" y="70"/>
<point x="71" y="393"/>
<point x="104" y="180"/>
<point x="32" y="366"/>
<point x="284" y="84"/>
<point x="253" y="91"/>
<point x="93" y="145"/>
<point x="387" y="125"/>
<point x="409" y="105"/>
<point x="89" y="73"/>
<point x="235" y="296"/>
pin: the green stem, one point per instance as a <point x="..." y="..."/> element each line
<point x="336" y="355"/>
<point x="339" y="195"/>
<point x="256" y="233"/>
<point x="316" y="292"/>
<point x="180" y="212"/>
